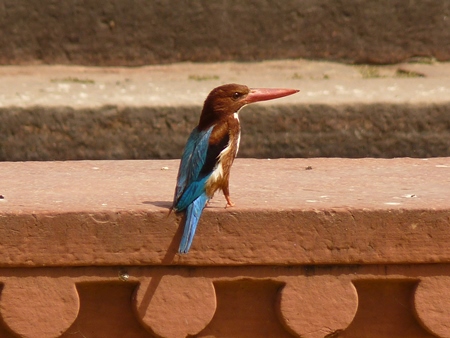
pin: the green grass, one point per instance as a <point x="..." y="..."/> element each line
<point x="407" y="73"/>
<point x="203" y="77"/>
<point x="74" y="80"/>
<point x="369" y="72"/>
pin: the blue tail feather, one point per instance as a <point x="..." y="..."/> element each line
<point x="193" y="213"/>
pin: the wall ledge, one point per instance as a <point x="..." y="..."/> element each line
<point x="313" y="248"/>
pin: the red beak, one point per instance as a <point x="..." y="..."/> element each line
<point x="264" y="94"/>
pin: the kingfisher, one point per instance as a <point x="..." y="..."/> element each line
<point x="210" y="151"/>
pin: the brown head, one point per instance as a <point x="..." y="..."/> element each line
<point x="228" y="99"/>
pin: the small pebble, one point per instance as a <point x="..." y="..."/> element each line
<point x="123" y="276"/>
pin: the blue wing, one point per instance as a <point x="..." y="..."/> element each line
<point x="190" y="184"/>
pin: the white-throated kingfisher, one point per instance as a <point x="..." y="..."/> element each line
<point x="210" y="151"/>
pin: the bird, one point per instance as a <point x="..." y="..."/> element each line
<point x="210" y="151"/>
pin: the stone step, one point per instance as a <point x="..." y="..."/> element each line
<point x="120" y="33"/>
<point x="75" y="112"/>
<point x="339" y="205"/>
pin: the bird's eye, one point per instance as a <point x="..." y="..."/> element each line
<point x="236" y="95"/>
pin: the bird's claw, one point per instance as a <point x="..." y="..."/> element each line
<point x="229" y="202"/>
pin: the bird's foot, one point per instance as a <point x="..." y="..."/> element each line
<point x="229" y="202"/>
<point x="229" y="205"/>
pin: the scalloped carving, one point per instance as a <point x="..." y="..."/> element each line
<point x="175" y="306"/>
<point x="432" y="305"/>
<point x="317" y="306"/>
<point x="39" y="306"/>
